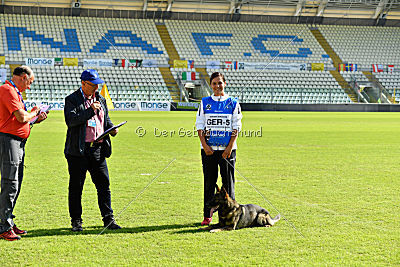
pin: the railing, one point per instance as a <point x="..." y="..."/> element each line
<point x="183" y="94"/>
<point x="383" y="93"/>
<point x="361" y="95"/>
<point x="204" y="89"/>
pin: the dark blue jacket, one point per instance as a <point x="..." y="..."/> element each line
<point x="76" y="117"/>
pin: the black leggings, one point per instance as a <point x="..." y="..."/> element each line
<point x="210" y="171"/>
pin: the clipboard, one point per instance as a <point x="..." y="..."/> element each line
<point x="43" y="108"/>
<point x="108" y="131"/>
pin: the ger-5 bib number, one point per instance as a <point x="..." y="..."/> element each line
<point x="218" y="129"/>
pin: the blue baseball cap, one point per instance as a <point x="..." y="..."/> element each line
<point x="91" y="76"/>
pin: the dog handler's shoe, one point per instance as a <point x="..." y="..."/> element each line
<point x="110" y="223"/>
<point x="10" y="235"/>
<point x="76" y="225"/>
<point x="18" y="231"/>
<point x="206" y="221"/>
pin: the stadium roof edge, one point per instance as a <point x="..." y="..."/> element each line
<point x="164" y="15"/>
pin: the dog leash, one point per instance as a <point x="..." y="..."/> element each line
<point x="269" y="202"/>
<point x="166" y="167"/>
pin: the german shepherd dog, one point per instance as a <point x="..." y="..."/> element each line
<point x="233" y="216"/>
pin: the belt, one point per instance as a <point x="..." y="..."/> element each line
<point x="13" y="137"/>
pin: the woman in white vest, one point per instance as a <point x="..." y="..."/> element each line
<point x="218" y="122"/>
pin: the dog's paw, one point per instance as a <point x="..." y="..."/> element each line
<point x="215" y="230"/>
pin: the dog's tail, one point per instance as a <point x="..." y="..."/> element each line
<point x="271" y="220"/>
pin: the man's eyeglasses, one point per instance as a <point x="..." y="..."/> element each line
<point x="91" y="85"/>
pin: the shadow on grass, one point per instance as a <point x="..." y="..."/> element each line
<point x="191" y="231"/>
<point x="95" y="230"/>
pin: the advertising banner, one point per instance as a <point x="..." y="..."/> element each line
<point x="118" y="105"/>
<point x="106" y="62"/>
<point x="87" y="63"/>
<point x="39" y="61"/>
<point x="317" y="66"/>
<point x="150" y="63"/>
<point x="142" y="105"/>
<point x="212" y="64"/>
<point x="188" y="105"/>
<point x="55" y="105"/>
<point x="154" y="106"/>
<point x="70" y="61"/>
<point x="97" y="62"/>
<point x="180" y="64"/>
<point x="272" y="66"/>
<point x="3" y="75"/>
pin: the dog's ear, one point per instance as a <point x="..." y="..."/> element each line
<point x="216" y="186"/>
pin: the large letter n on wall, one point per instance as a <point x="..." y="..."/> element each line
<point x="14" y="42"/>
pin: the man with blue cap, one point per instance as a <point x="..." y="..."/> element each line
<point x="86" y="115"/>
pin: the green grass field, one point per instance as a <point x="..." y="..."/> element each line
<point x="334" y="176"/>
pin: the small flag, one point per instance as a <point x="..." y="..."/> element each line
<point x="377" y="67"/>
<point x="235" y="65"/>
<point x="188" y="76"/>
<point x="190" y="64"/>
<point x="58" y="61"/>
<point x="137" y="63"/>
<point x="116" y="60"/>
<point x="131" y="63"/>
<point x="342" y="67"/>
<point x="228" y="65"/>
<point x="351" y="67"/>
<point x="390" y="68"/>
<point x="106" y="95"/>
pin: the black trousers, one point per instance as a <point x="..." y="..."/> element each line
<point x="210" y="171"/>
<point x="97" y="167"/>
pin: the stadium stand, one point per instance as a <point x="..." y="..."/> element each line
<point x="357" y="75"/>
<point x="364" y="45"/>
<point x="234" y="41"/>
<point x="391" y="81"/>
<point x="272" y="86"/>
<point x="88" y="38"/>
<point x="122" y="84"/>
<point x="222" y="41"/>
<point x="81" y="37"/>
<point x="211" y="40"/>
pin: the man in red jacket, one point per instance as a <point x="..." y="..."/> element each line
<point x="14" y="131"/>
